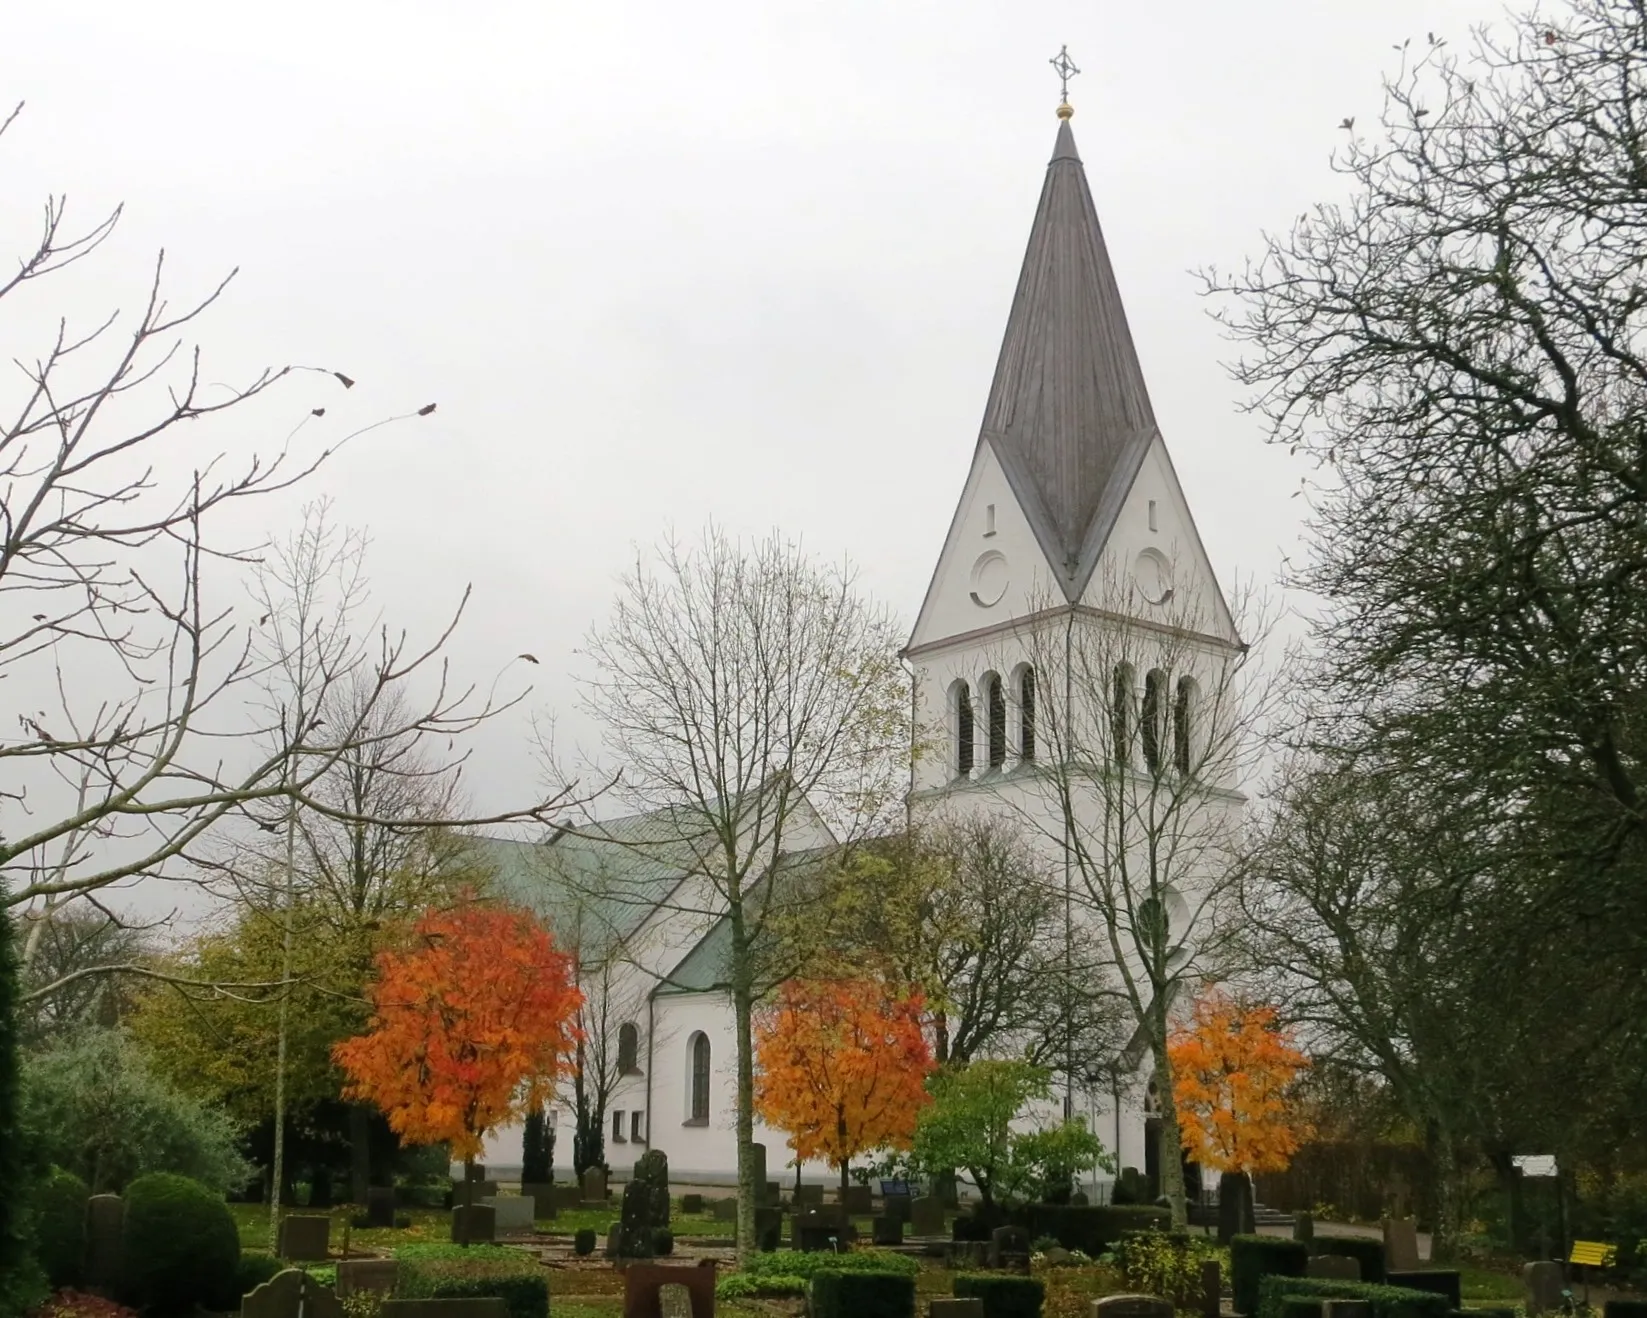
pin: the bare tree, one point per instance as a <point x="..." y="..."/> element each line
<point x="754" y="701"/>
<point x="73" y="939"/>
<point x="1147" y="725"/>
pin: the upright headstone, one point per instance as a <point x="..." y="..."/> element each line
<point x="1333" y="1267"/>
<point x="1235" y="1211"/>
<point x="692" y="1203"/>
<point x="858" y="1200"/>
<point x="771" y="1195"/>
<point x="594" y="1185"/>
<point x="290" y="1293"/>
<point x="566" y="1198"/>
<point x="1544" y="1286"/>
<point x="105" y="1228"/>
<point x="1132" y="1306"/>
<point x="926" y="1216"/>
<point x="542" y="1195"/>
<point x="888" y="1231"/>
<point x="643" y="1289"/>
<point x="512" y="1214"/>
<point x="724" y="1210"/>
<point x="380" y="1206"/>
<point x="473" y="1224"/>
<point x="897" y="1207"/>
<point x="757" y="1153"/>
<point x="376" y="1276"/>
<point x="304" y="1238"/>
<point x="1212" y="1289"/>
<point x="1009" y="1248"/>
<point x="808" y="1196"/>
<point x="475" y="1171"/>
<point x="1400" y="1245"/>
<point x="1303" y="1228"/>
<point x="614" y="1242"/>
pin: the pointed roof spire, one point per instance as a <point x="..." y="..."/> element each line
<point x="1069" y="416"/>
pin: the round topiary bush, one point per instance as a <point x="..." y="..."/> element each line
<point x="180" y="1245"/>
<point x="663" y="1242"/>
<point x="60" y="1226"/>
<point x="584" y="1242"/>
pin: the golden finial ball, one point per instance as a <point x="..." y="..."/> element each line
<point x="1066" y="110"/>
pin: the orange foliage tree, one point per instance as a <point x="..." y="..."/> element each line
<point x="1233" y="1071"/>
<point x="471" y="1025"/>
<point x="842" y="1067"/>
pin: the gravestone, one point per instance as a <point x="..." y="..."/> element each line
<point x="1132" y="1306"/>
<point x="594" y="1185"/>
<point x="768" y="1229"/>
<point x="757" y="1155"/>
<point x="565" y="1198"/>
<point x="858" y="1200"/>
<point x="358" y="1276"/>
<point x="1303" y="1228"/>
<point x="488" y="1307"/>
<point x="1235" y="1206"/>
<point x="955" y="1307"/>
<point x="475" y="1171"/>
<point x="772" y="1195"/>
<point x="724" y="1210"/>
<point x="888" y="1231"/>
<point x="472" y="1191"/>
<point x="1400" y="1245"/>
<point x="808" y="1196"/>
<point x="105" y="1228"/>
<point x="1544" y="1286"/>
<point x="614" y="1242"/>
<point x="512" y="1214"/>
<point x="304" y="1239"/>
<point x="897" y="1207"/>
<point x="1333" y="1267"/>
<point x="643" y="1286"/>
<point x="692" y="1203"/>
<point x="926" y="1216"/>
<point x="473" y="1224"/>
<point x="1212" y="1289"/>
<point x="380" y="1206"/>
<point x="290" y="1293"/>
<point x="542" y="1195"/>
<point x="1009" y="1248"/>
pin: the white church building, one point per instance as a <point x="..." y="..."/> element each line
<point x="1071" y="517"/>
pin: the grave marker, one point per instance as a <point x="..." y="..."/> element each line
<point x="289" y="1294"/>
<point x="473" y="1224"/>
<point x="643" y="1285"/>
<point x="1132" y="1306"/>
<point x="594" y="1185"/>
<point x="512" y="1214"/>
<point x="304" y="1239"/>
<point x="858" y="1200"/>
<point x="926" y="1216"/>
<point x="366" y="1275"/>
<point x="380" y="1206"/>
<point x="1544" y="1283"/>
<point x="1400" y="1245"/>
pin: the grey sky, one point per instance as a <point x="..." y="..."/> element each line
<point x="748" y="260"/>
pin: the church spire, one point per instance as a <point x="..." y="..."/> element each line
<point x="1069" y="416"/>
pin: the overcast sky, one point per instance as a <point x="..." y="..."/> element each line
<point x="748" y="259"/>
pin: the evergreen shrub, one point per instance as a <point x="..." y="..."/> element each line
<point x="60" y="1226"/>
<point x="1252" y="1258"/>
<point x="795" y="1263"/>
<point x="840" y="1294"/>
<point x="583" y="1243"/>
<point x="1386" y="1301"/>
<point x="1094" y="1229"/>
<point x="180" y="1245"/>
<point x="454" y="1272"/>
<point x="663" y="1242"/>
<point x="1369" y="1253"/>
<point x="1003" y="1297"/>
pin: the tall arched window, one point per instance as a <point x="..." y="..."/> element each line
<point x="1183" y="730"/>
<point x="628" y="1047"/>
<point x="1026" y="714"/>
<point x="698" y="1051"/>
<point x="963" y="729"/>
<point x="995" y="711"/>
<point x="1120" y="715"/>
<point x="1150" y="718"/>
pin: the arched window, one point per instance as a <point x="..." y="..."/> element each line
<point x="628" y="1047"/>
<point x="1026" y="714"/>
<point x="995" y="711"/>
<point x="1120" y="715"/>
<point x="698" y="1052"/>
<point x="1183" y="730"/>
<point x="1150" y="718"/>
<point x="963" y="730"/>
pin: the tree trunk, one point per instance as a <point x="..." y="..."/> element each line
<point x="844" y="1166"/>
<point x="360" y="1153"/>
<point x="742" y="1014"/>
<point x="1449" y="1195"/>
<point x="1172" y="1142"/>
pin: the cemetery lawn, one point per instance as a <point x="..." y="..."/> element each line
<point x="1482" y="1286"/>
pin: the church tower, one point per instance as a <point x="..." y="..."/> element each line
<point x="1073" y="662"/>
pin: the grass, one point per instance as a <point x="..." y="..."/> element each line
<point x="1484" y="1286"/>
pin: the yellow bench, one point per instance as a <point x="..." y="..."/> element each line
<point x="1593" y="1254"/>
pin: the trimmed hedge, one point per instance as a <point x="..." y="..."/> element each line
<point x="455" y="1272"/>
<point x="1252" y="1258"/>
<point x="1624" y="1309"/>
<point x="1439" y="1281"/>
<point x="745" y="1286"/>
<point x="1092" y="1230"/>
<point x="840" y="1294"/>
<point x="1300" y="1306"/>
<point x="180" y="1245"/>
<point x="60" y="1226"/>
<point x="794" y="1263"/>
<point x="1386" y="1301"/>
<point x="1003" y="1297"/>
<point x="1368" y="1253"/>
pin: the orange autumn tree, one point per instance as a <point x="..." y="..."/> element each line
<point x="471" y="1025"/>
<point x="842" y="1067"/>
<point x="1233" y="1071"/>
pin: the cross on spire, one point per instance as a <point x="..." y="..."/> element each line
<point x="1065" y="68"/>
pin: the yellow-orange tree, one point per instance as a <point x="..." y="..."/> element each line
<point x="842" y="1067"/>
<point x="1233" y="1071"/>
<point x="471" y="1025"/>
